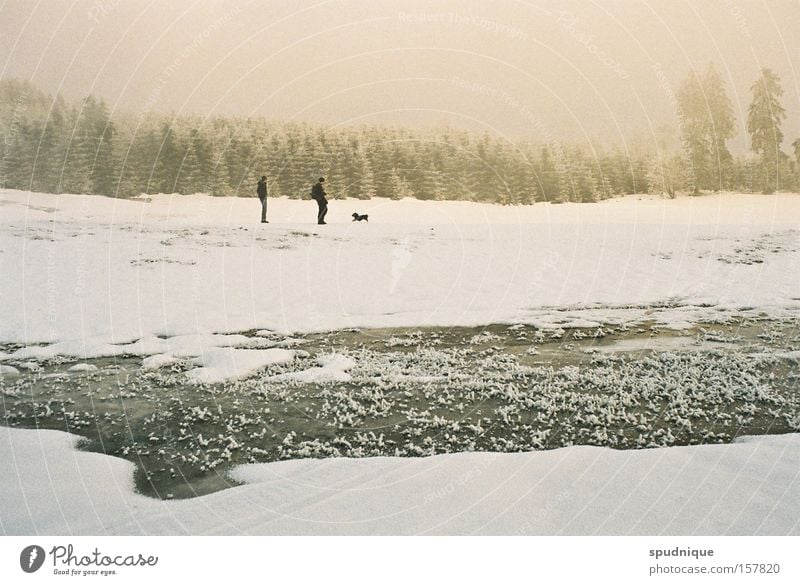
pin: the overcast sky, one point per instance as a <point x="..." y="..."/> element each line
<point x="537" y="69"/>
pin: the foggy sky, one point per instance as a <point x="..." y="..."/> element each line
<point x="543" y="70"/>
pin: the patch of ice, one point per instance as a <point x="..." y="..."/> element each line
<point x="653" y="344"/>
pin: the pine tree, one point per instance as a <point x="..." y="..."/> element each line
<point x="220" y="183"/>
<point x="79" y="154"/>
<point x="764" y="119"/>
<point x="49" y="149"/>
<point x="586" y="185"/>
<point x="519" y="178"/>
<point x="707" y="122"/>
<point x="397" y="187"/>
<point x="189" y="179"/>
<point x="167" y="162"/>
<point x="721" y="127"/>
<point x="17" y="169"/>
<point x="144" y="161"/>
<point x="691" y="111"/>
<point x="548" y="182"/>
<point x="666" y="174"/>
<point x="796" y="164"/>
<point x="366" y="183"/>
<point x="101" y="129"/>
<point x="430" y="186"/>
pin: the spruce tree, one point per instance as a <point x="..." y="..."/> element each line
<point x="167" y="162"/>
<point x="79" y="153"/>
<point x="548" y="182"/>
<point x="764" y="119"/>
<point x="189" y="179"/>
<point x="101" y="131"/>
<point x="721" y="128"/>
<point x="691" y="111"/>
<point x="397" y="187"/>
<point x="17" y="169"/>
<point x="366" y="184"/>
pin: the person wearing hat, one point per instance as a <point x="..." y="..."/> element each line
<point x="262" y="195"/>
<point x="318" y="194"/>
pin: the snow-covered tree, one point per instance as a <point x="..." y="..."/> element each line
<point x="764" y="118"/>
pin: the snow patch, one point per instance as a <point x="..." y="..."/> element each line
<point x="598" y="259"/>
<point x="82" y="368"/>
<point x="748" y="487"/>
<point x="159" y="360"/>
<point x="333" y="368"/>
<point x="220" y="365"/>
<point x="8" y="370"/>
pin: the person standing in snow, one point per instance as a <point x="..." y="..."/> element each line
<point x="262" y="195"/>
<point x="319" y="195"/>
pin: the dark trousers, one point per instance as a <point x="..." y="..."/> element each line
<point x="263" y="208"/>
<point x="323" y="210"/>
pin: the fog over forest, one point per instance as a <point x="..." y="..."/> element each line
<point x="555" y="100"/>
<point x="605" y="70"/>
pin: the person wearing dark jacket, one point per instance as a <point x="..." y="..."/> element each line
<point x="262" y="195"/>
<point x="319" y="195"/>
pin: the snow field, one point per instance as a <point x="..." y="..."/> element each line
<point x="90" y="272"/>
<point x="749" y="487"/>
<point x="148" y="309"/>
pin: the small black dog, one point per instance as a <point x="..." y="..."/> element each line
<point x="357" y="217"/>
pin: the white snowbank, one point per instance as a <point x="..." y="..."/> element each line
<point x="750" y="487"/>
<point x="96" y="273"/>
<point x="159" y="360"/>
<point x="178" y="346"/>
<point x="227" y="363"/>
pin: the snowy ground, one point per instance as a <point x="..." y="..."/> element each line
<point x="193" y="289"/>
<point x="745" y="488"/>
<point x="92" y="270"/>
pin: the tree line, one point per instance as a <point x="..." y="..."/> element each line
<point x="50" y="145"/>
